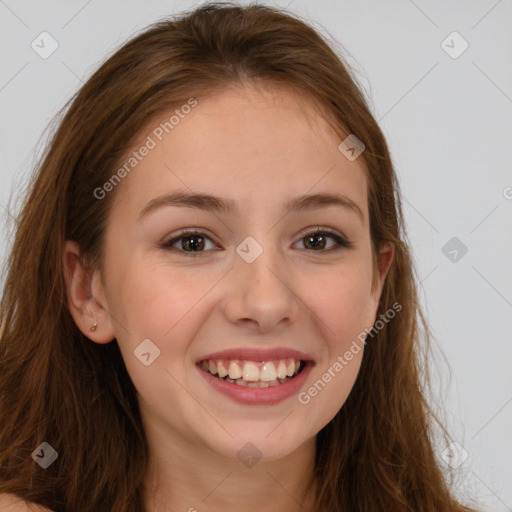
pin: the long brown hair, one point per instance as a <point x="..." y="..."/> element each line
<point x="57" y="386"/>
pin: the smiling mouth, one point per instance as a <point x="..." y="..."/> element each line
<point x="253" y="374"/>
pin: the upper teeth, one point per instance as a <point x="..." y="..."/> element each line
<point x="252" y="371"/>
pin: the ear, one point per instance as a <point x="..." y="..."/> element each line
<point x="381" y="264"/>
<point x="85" y="296"/>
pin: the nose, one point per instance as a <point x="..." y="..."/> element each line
<point x="262" y="293"/>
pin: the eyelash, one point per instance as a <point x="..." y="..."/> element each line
<point x="342" y="242"/>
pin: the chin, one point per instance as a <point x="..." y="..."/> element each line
<point x="263" y="442"/>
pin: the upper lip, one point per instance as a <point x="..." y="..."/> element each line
<point x="257" y="354"/>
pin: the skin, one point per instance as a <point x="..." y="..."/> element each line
<point x="259" y="147"/>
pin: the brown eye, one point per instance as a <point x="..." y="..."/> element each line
<point x="192" y="242"/>
<point x="317" y="241"/>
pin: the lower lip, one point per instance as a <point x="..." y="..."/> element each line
<point x="258" y="396"/>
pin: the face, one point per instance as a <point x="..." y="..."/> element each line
<point x="258" y="287"/>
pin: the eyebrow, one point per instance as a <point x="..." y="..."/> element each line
<point x="213" y="203"/>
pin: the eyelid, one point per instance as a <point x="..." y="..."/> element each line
<point x="189" y="231"/>
<point x="321" y="229"/>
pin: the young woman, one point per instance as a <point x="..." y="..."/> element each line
<point x="210" y="302"/>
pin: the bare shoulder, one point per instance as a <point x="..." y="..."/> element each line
<point x="13" y="503"/>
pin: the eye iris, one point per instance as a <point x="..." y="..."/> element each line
<point x="320" y="245"/>
<point x="194" y="245"/>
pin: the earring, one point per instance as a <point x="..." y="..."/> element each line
<point x="93" y="328"/>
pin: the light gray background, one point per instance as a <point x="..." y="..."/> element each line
<point x="449" y="125"/>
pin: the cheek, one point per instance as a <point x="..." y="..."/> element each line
<point x="150" y="303"/>
<point x="327" y="392"/>
<point x="162" y="305"/>
<point x="157" y="298"/>
<point x="167" y="306"/>
<point x="340" y="304"/>
<point x="340" y="300"/>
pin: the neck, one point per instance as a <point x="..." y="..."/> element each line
<point x="188" y="477"/>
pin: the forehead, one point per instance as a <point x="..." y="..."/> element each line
<point x="256" y="145"/>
